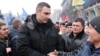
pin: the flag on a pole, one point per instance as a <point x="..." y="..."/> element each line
<point x="9" y="18"/>
<point x="18" y="15"/>
<point x="77" y="2"/>
<point x="23" y="15"/>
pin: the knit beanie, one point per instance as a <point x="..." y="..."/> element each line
<point x="95" y="22"/>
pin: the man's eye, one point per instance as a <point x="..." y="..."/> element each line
<point x="46" y="13"/>
<point x="5" y="29"/>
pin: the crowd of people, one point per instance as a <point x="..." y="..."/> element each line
<point x="39" y="36"/>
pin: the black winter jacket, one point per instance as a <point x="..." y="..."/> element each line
<point x="37" y="39"/>
<point x="12" y="41"/>
<point x="2" y="48"/>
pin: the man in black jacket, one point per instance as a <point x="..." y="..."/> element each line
<point x="38" y="36"/>
<point x="77" y="36"/>
<point x="3" y="34"/>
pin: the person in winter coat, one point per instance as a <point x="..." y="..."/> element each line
<point x="74" y="41"/>
<point x="38" y="36"/>
<point x="92" y="46"/>
<point x="3" y="35"/>
<point x="13" y="32"/>
<point x="68" y="27"/>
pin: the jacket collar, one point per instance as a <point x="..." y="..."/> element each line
<point x="78" y="36"/>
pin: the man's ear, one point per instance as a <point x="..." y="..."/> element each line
<point x="37" y="11"/>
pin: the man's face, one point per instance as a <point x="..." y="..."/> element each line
<point x="69" y="28"/>
<point x="94" y="36"/>
<point x="20" y="25"/>
<point x="77" y="27"/>
<point x="4" y="31"/>
<point x="62" y="28"/>
<point x="44" y="14"/>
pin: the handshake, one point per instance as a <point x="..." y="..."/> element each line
<point x="54" y="53"/>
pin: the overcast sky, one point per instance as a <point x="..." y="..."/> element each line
<point x="29" y="5"/>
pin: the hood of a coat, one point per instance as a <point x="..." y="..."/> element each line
<point x="32" y="22"/>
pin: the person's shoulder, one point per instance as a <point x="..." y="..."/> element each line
<point x="54" y="28"/>
<point x="2" y="43"/>
<point x="85" y="35"/>
<point x="24" y="28"/>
